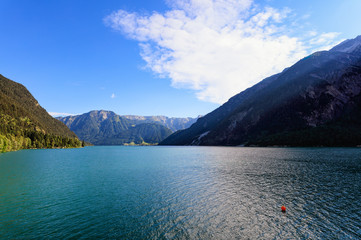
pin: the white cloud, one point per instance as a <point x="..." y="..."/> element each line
<point x="325" y="41"/>
<point x="112" y="96"/>
<point x="215" y="47"/>
<point x="56" y="114"/>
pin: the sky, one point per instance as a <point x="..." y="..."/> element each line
<point x="161" y="57"/>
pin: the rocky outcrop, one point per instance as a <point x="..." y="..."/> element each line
<point x="172" y="123"/>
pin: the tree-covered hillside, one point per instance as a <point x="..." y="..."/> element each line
<point x="25" y="124"/>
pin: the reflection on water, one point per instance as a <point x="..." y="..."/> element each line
<point x="181" y="193"/>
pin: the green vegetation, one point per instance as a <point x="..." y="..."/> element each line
<point x="22" y="133"/>
<point x="139" y="144"/>
<point x="24" y="124"/>
<point x="108" y="128"/>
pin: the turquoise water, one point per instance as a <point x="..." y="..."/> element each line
<point x="181" y="193"/>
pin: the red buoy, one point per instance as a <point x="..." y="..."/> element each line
<point x="283" y="208"/>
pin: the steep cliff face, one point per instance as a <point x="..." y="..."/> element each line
<point x="319" y="95"/>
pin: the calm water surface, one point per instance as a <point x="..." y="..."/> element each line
<point x="181" y="193"/>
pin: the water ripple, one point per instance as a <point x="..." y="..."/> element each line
<point x="181" y="193"/>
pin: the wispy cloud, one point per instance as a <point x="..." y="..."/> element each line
<point x="57" y="114"/>
<point x="325" y="41"/>
<point x="112" y="96"/>
<point x="215" y="47"/>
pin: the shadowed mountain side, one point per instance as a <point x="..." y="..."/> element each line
<point x="315" y="102"/>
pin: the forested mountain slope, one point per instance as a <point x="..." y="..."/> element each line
<point x="25" y="124"/>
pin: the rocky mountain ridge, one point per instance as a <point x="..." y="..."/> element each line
<point x="102" y="127"/>
<point x="173" y="123"/>
<point x="315" y="102"/>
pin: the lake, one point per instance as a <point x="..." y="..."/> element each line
<point x="159" y="192"/>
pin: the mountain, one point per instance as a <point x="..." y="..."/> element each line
<point x="172" y="123"/>
<point x="107" y="128"/>
<point x="25" y="124"/>
<point x="315" y="102"/>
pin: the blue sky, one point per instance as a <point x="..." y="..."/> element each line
<point x="173" y="58"/>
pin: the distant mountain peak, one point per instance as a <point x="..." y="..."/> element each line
<point x="106" y="127"/>
<point x="349" y="46"/>
<point x="101" y="114"/>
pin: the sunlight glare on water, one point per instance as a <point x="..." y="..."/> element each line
<point x="181" y="193"/>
